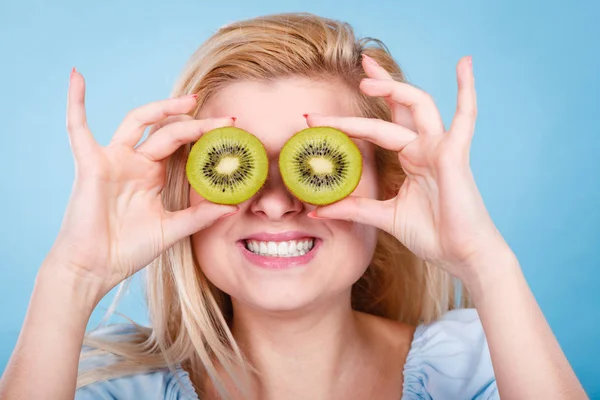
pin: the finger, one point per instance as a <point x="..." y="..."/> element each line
<point x="167" y="140"/>
<point x="81" y="139"/>
<point x="362" y="210"/>
<point x="463" y="124"/>
<point x="382" y="133"/>
<point x="425" y="113"/>
<point x="400" y="114"/>
<point x="169" y="120"/>
<point x="179" y="224"/>
<point x="132" y="128"/>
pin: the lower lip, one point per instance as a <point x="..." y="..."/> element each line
<point x="269" y="262"/>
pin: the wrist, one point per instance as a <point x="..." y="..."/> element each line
<point x="60" y="280"/>
<point x="487" y="273"/>
<point x="49" y="344"/>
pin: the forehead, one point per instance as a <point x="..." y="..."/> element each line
<point x="273" y="111"/>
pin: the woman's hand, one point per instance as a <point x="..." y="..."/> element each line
<point x="115" y="223"/>
<point x="438" y="213"/>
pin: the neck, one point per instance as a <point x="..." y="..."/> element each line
<point x="320" y="345"/>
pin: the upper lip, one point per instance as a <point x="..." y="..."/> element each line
<point x="278" y="237"/>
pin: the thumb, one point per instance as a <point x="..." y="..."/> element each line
<point x="180" y="224"/>
<point x="359" y="209"/>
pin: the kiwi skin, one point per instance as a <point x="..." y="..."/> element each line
<point x="318" y="132"/>
<point x="199" y="156"/>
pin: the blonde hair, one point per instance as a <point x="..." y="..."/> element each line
<point x="189" y="315"/>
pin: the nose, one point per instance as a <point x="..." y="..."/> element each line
<point x="274" y="201"/>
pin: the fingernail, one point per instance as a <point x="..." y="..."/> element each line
<point x="305" y="115"/>
<point x="233" y="118"/>
<point x="313" y="215"/>
<point x="73" y="71"/>
<point x="368" y="80"/>
<point x="193" y="96"/>
<point x="370" y="60"/>
<point x="471" y="61"/>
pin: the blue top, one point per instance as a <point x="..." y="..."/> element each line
<point x="448" y="359"/>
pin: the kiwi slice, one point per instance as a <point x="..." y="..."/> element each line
<point x="320" y="165"/>
<point x="227" y="165"/>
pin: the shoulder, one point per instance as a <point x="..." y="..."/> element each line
<point x="158" y="385"/>
<point x="171" y="384"/>
<point x="449" y="358"/>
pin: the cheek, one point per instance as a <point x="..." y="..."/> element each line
<point x="362" y="243"/>
<point x="353" y="246"/>
<point x="215" y="258"/>
<point x="206" y="246"/>
<point x="361" y="240"/>
<point x="210" y="249"/>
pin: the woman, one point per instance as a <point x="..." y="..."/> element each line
<point x="370" y="312"/>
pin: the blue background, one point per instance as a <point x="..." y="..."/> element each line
<point x="535" y="152"/>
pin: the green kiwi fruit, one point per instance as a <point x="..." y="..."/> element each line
<point x="227" y="165"/>
<point x="320" y="165"/>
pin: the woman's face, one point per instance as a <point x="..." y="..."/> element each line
<point x="341" y="251"/>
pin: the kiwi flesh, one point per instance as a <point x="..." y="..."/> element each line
<point x="320" y="165"/>
<point x="227" y="165"/>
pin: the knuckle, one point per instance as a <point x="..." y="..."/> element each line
<point x="426" y="98"/>
<point x="162" y="113"/>
<point x="374" y="132"/>
<point x="357" y="205"/>
<point x="470" y="112"/>
<point x="396" y="90"/>
<point x="71" y="126"/>
<point x="367" y="129"/>
<point x="134" y="115"/>
<point x="179" y="140"/>
<point x="76" y="126"/>
<point x="155" y="127"/>
<point x="148" y="156"/>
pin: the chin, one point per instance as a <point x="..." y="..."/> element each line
<point x="289" y="290"/>
<point x="277" y="300"/>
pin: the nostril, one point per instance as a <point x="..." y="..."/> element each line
<point x="292" y="212"/>
<point x="275" y="202"/>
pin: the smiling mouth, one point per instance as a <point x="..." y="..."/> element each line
<point x="290" y="248"/>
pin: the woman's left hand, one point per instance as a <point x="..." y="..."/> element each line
<point x="438" y="213"/>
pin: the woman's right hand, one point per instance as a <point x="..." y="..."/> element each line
<point x="115" y="223"/>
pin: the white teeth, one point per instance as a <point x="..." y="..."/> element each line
<point x="282" y="249"/>
<point x="291" y="248"/>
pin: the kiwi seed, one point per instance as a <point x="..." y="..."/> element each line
<point x="320" y="165"/>
<point x="227" y="165"/>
